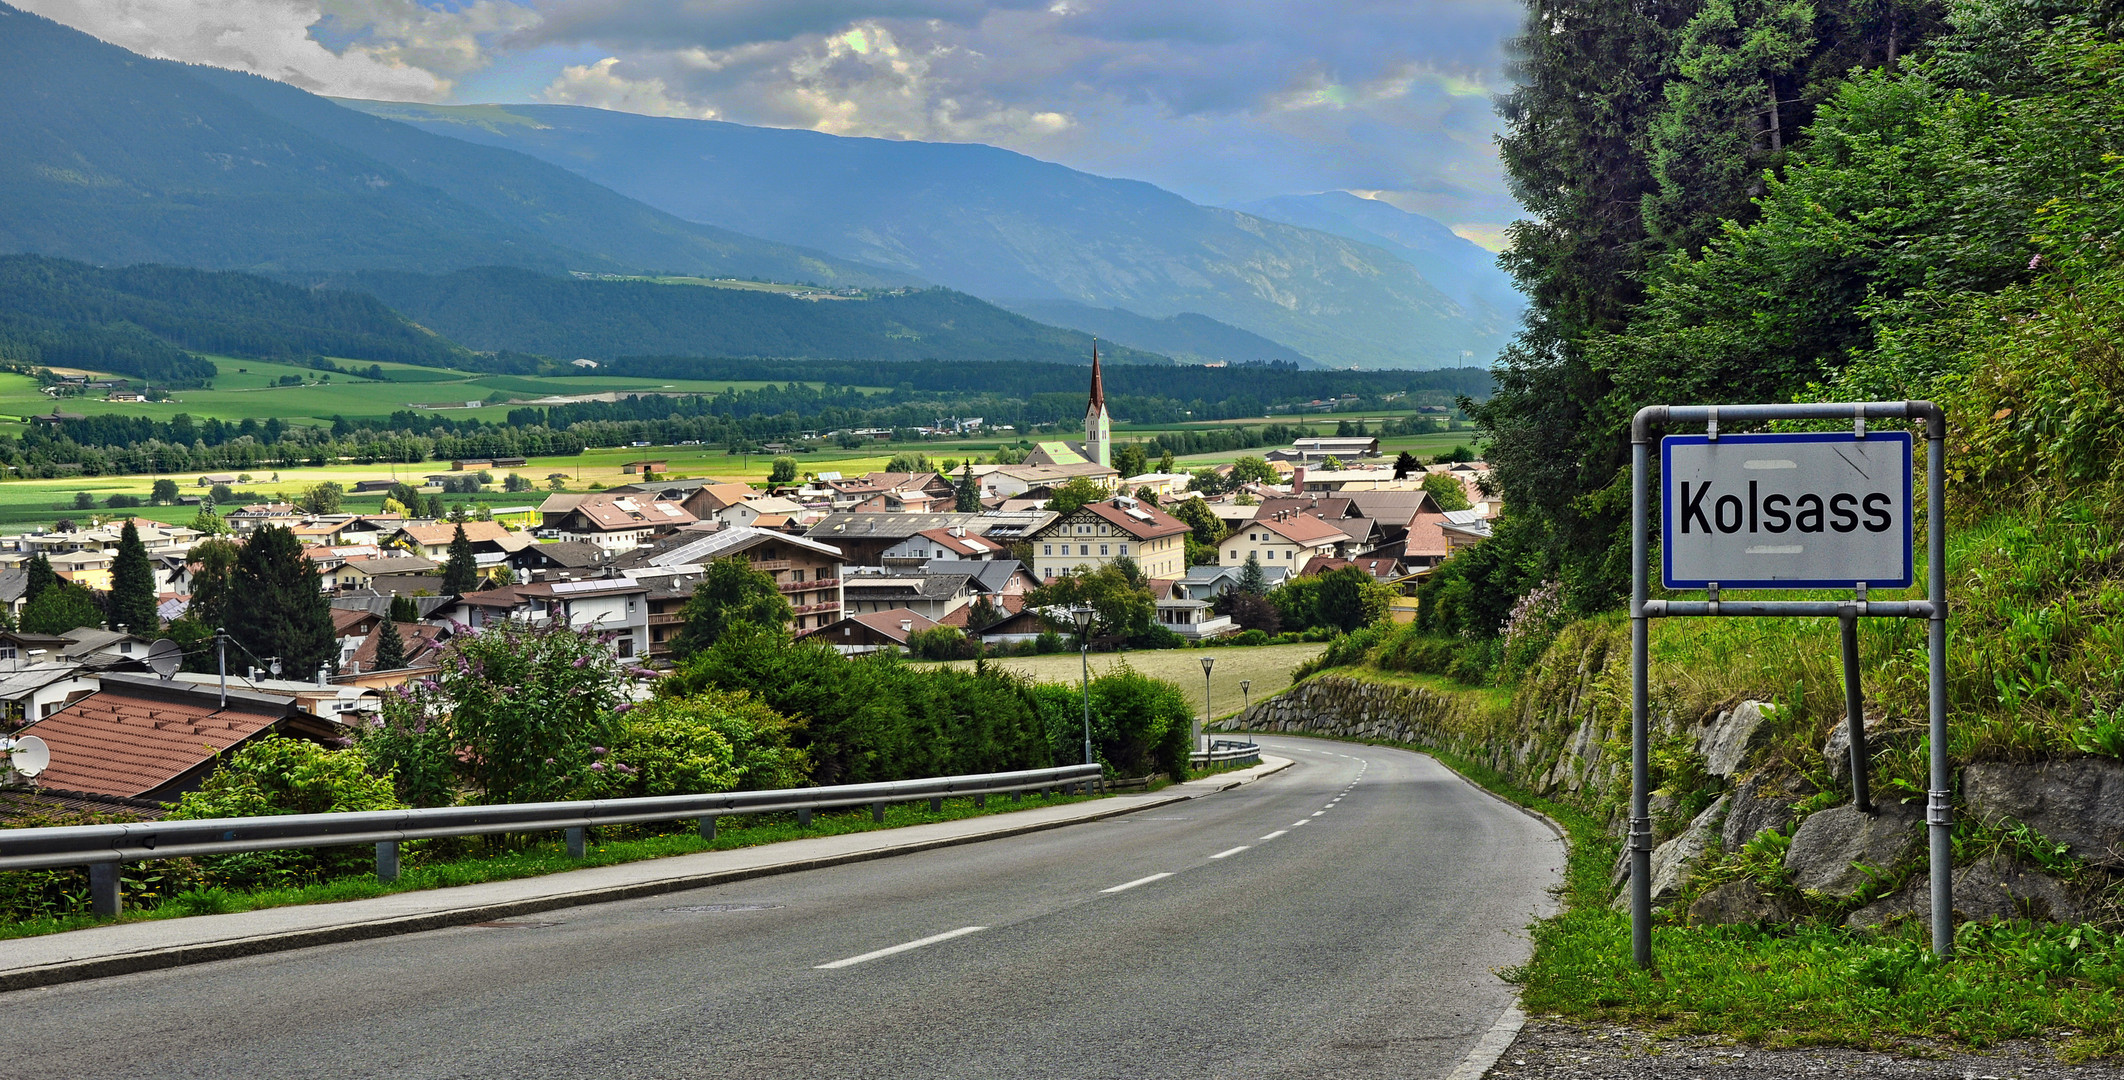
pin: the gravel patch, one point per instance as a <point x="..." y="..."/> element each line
<point x="1551" y="1049"/>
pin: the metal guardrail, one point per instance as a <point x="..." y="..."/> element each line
<point x="102" y="847"/>
<point x="1226" y="751"/>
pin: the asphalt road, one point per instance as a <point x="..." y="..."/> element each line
<point x="1342" y="918"/>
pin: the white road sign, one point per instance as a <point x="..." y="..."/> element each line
<point x="1809" y="511"/>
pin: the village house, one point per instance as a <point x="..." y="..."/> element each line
<point x="611" y="522"/>
<point x="1288" y="539"/>
<point x="806" y="571"/>
<point x="1098" y="533"/>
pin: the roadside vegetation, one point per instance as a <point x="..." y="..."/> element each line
<point x="1941" y="227"/>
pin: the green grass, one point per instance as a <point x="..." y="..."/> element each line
<point x="1808" y="986"/>
<point x="546" y="856"/>
<point x="1269" y="668"/>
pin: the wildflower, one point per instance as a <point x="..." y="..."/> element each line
<point x="550" y="761"/>
<point x="623" y="707"/>
<point x="2035" y="261"/>
<point x="599" y="751"/>
<point x="597" y="766"/>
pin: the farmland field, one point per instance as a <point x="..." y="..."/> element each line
<point x="1267" y="666"/>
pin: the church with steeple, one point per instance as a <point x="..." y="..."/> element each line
<point x="1097" y="446"/>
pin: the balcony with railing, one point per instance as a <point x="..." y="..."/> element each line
<point x="808" y="609"/>
<point x="808" y="586"/>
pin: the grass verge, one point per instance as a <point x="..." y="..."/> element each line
<point x="1807" y="985"/>
<point x="545" y="856"/>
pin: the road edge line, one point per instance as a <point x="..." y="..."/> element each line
<point x="1491" y="1046"/>
<point x="234" y="948"/>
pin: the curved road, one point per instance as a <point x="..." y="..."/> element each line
<point x="1342" y="918"/>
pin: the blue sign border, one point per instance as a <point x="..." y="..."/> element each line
<point x="1666" y="509"/>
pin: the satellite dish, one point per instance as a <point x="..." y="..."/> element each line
<point x="164" y="656"/>
<point x="30" y="756"/>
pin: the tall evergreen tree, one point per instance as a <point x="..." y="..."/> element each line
<point x="966" y="497"/>
<point x="132" y="603"/>
<point x="41" y="577"/>
<point x="1727" y="114"/>
<point x="212" y="580"/>
<point x="461" y="572"/>
<point x="1253" y="581"/>
<point x="283" y="612"/>
<point x="404" y="609"/>
<point x="390" y="647"/>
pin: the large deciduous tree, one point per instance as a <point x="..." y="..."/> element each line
<point x="731" y="594"/>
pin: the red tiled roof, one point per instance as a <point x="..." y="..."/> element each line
<point x="127" y="742"/>
<point x="445" y="532"/>
<point x="1153" y="524"/>
<point x="1303" y="529"/>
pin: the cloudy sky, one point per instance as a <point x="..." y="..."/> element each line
<point x="1224" y="101"/>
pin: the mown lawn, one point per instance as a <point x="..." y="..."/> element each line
<point x="1268" y="667"/>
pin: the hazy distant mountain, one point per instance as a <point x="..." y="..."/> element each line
<point x="114" y="158"/>
<point x="506" y="309"/>
<point x="1195" y="339"/>
<point x="998" y="224"/>
<point x="1459" y="268"/>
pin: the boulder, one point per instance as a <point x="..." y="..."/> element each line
<point x="1675" y="860"/>
<point x="1738" y="902"/>
<point x="1836" y="752"/>
<point x="1760" y="802"/>
<point x="2078" y="803"/>
<point x="1830" y="844"/>
<point x="1725" y="741"/>
<point x="1994" y="887"/>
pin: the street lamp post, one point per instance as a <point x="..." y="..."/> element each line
<point x="1082" y="617"/>
<point x="1206" y="662"/>
<point x="1246" y="697"/>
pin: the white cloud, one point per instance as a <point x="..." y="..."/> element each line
<point x="395" y="50"/>
<point x="599" y="86"/>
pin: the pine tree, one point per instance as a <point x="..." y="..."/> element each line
<point x="1253" y="581"/>
<point x="967" y="496"/>
<point x="283" y="612"/>
<point x="211" y="582"/>
<point x="404" y="609"/>
<point x="1404" y="465"/>
<point x="41" y="577"/>
<point x="461" y="572"/>
<point x="132" y="603"/>
<point x="390" y="648"/>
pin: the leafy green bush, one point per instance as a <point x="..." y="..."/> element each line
<point x="1140" y="725"/>
<point x="874" y="717"/>
<point x="942" y="643"/>
<point x="274" y="775"/>
<point x="511" y="717"/>
<point x="702" y="743"/>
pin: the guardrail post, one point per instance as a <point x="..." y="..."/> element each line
<point x="936" y="804"/>
<point x="803" y="817"/>
<point x="575" y="842"/>
<point x="980" y="800"/>
<point x="103" y="888"/>
<point x="1017" y="796"/>
<point x="387" y="860"/>
<point x="707" y="828"/>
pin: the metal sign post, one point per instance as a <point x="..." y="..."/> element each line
<point x="1820" y="510"/>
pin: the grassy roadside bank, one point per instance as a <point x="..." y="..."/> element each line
<point x="547" y="855"/>
<point x="1809" y="985"/>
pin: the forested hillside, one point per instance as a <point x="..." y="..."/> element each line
<point x="1932" y="210"/>
<point x="498" y="308"/>
<point x="147" y="321"/>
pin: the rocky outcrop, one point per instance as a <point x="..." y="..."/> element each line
<point x="1725" y="739"/>
<point x="1994" y="887"/>
<point x="2078" y="803"/>
<point x="1831" y="846"/>
<point x="1762" y="801"/>
<point x="1738" y="902"/>
<point x="1674" y="861"/>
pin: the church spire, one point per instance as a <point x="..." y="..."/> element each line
<point x="1098" y="427"/>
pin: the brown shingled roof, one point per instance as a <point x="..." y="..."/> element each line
<point x="137" y="735"/>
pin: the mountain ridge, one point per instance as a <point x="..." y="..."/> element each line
<point x="997" y="224"/>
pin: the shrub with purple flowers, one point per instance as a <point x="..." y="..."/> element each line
<point x="1527" y="631"/>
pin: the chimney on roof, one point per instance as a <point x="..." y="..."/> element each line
<point x="906" y="626"/>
